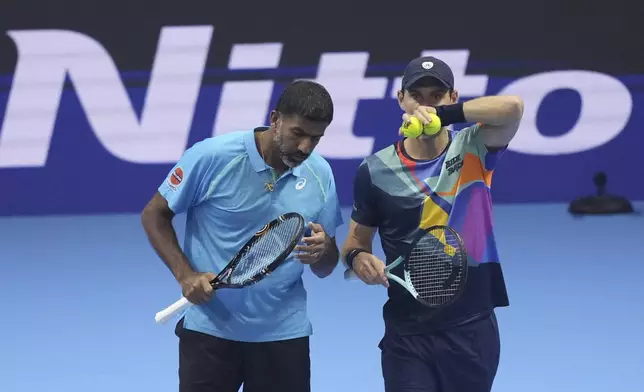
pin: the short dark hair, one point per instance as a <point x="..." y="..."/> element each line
<point x="306" y="99"/>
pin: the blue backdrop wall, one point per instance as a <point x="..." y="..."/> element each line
<point x="96" y="105"/>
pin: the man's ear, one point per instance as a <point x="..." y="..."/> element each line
<point x="273" y="118"/>
<point x="400" y="95"/>
<point x="454" y="96"/>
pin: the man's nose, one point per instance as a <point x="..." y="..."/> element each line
<point x="306" y="145"/>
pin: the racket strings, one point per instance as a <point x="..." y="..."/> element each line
<point x="435" y="267"/>
<point x="270" y="244"/>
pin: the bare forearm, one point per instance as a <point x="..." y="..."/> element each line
<point x="351" y="245"/>
<point x="494" y="110"/>
<point x="328" y="261"/>
<point x="163" y="239"/>
<point x="360" y="237"/>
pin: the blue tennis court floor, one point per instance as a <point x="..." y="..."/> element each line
<point x="79" y="296"/>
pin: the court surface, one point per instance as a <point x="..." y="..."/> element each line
<point x="79" y="296"/>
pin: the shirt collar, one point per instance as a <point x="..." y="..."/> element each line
<point x="256" y="159"/>
<point x="253" y="154"/>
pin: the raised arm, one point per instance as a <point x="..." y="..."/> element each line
<point x="499" y="116"/>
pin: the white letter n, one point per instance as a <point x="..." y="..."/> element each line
<point x="46" y="57"/>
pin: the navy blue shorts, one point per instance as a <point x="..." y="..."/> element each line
<point x="461" y="359"/>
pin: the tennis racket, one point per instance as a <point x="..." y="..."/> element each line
<point x="434" y="268"/>
<point x="259" y="257"/>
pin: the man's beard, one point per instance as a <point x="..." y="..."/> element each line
<point x="284" y="155"/>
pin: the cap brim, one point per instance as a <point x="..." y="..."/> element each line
<point x="416" y="78"/>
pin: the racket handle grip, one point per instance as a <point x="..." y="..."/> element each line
<point x="166" y="314"/>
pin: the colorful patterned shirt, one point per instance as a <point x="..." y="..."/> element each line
<point x="397" y="195"/>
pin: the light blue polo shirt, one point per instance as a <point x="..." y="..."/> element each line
<point x="220" y="183"/>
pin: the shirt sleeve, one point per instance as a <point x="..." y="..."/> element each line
<point x="330" y="217"/>
<point x="187" y="183"/>
<point x="365" y="208"/>
<point x="489" y="156"/>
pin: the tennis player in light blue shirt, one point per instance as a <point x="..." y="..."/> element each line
<point x="230" y="186"/>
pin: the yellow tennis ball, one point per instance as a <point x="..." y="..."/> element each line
<point x="413" y="129"/>
<point x="433" y="127"/>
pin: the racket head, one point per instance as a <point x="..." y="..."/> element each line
<point x="435" y="267"/>
<point x="263" y="252"/>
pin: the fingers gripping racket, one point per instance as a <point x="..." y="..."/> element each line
<point x="434" y="268"/>
<point x="261" y="255"/>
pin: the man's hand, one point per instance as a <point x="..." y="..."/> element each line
<point x="421" y="113"/>
<point x="370" y="269"/>
<point x="196" y="287"/>
<point x="315" y="246"/>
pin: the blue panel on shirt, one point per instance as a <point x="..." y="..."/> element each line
<point x="220" y="183"/>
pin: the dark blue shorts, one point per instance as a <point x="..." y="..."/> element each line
<point x="461" y="359"/>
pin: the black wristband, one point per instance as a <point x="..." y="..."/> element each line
<point x="451" y="114"/>
<point x="351" y="255"/>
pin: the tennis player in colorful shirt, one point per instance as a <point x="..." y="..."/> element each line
<point x="441" y="179"/>
<point x="230" y="186"/>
